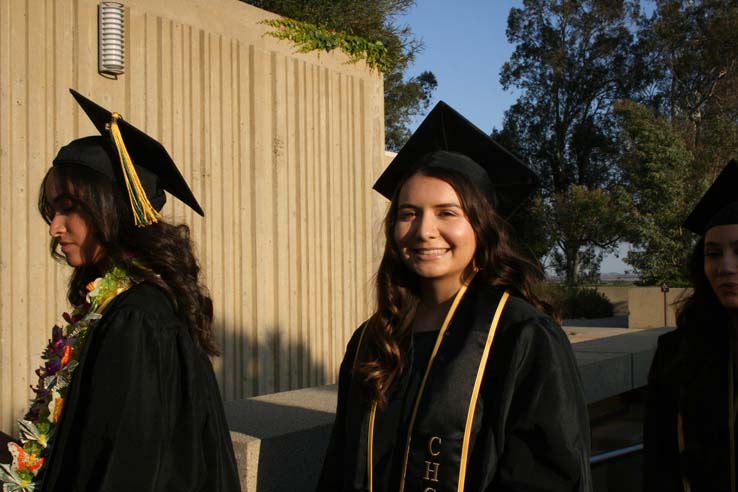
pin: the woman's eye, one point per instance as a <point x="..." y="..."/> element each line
<point x="65" y="207"/>
<point x="447" y="213"/>
<point x="711" y="254"/>
<point x="406" y="214"/>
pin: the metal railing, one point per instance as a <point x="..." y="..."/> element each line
<point x="614" y="454"/>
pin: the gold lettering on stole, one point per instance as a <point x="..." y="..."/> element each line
<point x="434" y="439"/>
<point x="432" y="467"/>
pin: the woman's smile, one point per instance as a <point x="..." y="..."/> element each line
<point x="429" y="254"/>
<point x="433" y="234"/>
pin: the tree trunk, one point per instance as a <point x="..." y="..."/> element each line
<point x="573" y="264"/>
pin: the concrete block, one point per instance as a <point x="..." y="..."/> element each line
<point x="280" y="439"/>
<point x="615" y="362"/>
<point x="604" y="374"/>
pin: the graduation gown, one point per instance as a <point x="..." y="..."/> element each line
<point x="688" y="377"/>
<point x="143" y="411"/>
<point x="529" y="428"/>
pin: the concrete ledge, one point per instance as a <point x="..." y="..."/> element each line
<point x="613" y="360"/>
<point x="280" y="439"/>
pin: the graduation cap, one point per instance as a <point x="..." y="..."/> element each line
<point x="719" y="204"/>
<point x="130" y="158"/>
<point x="447" y="139"/>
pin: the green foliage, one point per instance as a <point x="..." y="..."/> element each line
<point x="587" y="223"/>
<point x="404" y="96"/>
<point x="664" y="183"/>
<point x="684" y="132"/>
<point x="572" y="60"/>
<point x="310" y="37"/>
<point x="573" y="303"/>
<point x="693" y="60"/>
<point x="530" y="231"/>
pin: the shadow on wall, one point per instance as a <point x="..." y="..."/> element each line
<point x="280" y="438"/>
<point x="273" y="359"/>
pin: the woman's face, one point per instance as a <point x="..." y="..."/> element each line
<point x="721" y="263"/>
<point x="432" y="232"/>
<point x="73" y="229"/>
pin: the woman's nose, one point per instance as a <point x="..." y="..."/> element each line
<point x="56" y="227"/>
<point x="729" y="263"/>
<point x="427" y="227"/>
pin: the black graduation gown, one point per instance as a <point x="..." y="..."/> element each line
<point x="143" y="412"/>
<point x="531" y="426"/>
<point x="689" y="375"/>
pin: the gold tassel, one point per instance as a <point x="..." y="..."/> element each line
<point x="143" y="212"/>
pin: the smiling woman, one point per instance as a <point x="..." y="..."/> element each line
<point x="434" y="235"/>
<point x="460" y="380"/>
<point x="691" y="407"/>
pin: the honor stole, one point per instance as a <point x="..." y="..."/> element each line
<point x="442" y="423"/>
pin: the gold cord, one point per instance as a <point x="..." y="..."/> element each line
<point x="143" y="212"/>
<point x="731" y="407"/>
<point x="439" y="339"/>
<point x="370" y="447"/>
<point x="475" y="392"/>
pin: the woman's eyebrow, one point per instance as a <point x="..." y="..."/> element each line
<point x="714" y="244"/>
<point x="438" y="205"/>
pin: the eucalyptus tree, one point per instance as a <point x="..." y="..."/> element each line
<point x="572" y="60"/>
<point x="685" y="131"/>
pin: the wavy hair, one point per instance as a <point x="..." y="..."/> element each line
<point x="160" y="253"/>
<point x="382" y="355"/>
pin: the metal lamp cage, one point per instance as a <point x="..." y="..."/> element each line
<point x="111" y="38"/>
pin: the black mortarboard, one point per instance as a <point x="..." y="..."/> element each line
<point x="719" y="204"/>
<point x="130" y="158"/>
<point x="447" y="139"/>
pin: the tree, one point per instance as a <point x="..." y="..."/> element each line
<point x="664" y="184"/>
<point x="694" y="67"/>
<point x="572" y="60"/>
<point x="686" y="130"/>
<point x="373" y="20"/>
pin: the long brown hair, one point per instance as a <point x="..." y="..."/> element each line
<point x="160" y="254"/>
<point x="381" y="357"/>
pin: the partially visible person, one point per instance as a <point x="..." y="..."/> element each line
<point x="691" y="405"/>
<point x="460" y="380"/>
<point x="127" y="399"/>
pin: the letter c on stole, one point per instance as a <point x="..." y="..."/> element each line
<point x="431" y="442"/>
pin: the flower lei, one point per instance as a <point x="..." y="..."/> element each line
<point x="61" y="359"/>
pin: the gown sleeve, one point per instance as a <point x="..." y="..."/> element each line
<point x="660" y="448"/>
<point x="140" y="414"/>
<point x="331" y="475"/>
<point x="546" y="435"/>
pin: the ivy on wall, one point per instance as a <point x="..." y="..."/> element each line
<point x="309" y="37"/>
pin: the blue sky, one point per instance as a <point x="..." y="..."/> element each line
<point x="465" y="47"/>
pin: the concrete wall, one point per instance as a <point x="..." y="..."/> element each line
<point x="280" y="148"/>
<point x="618" y="296"/>
<point x="646" y="306"/>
